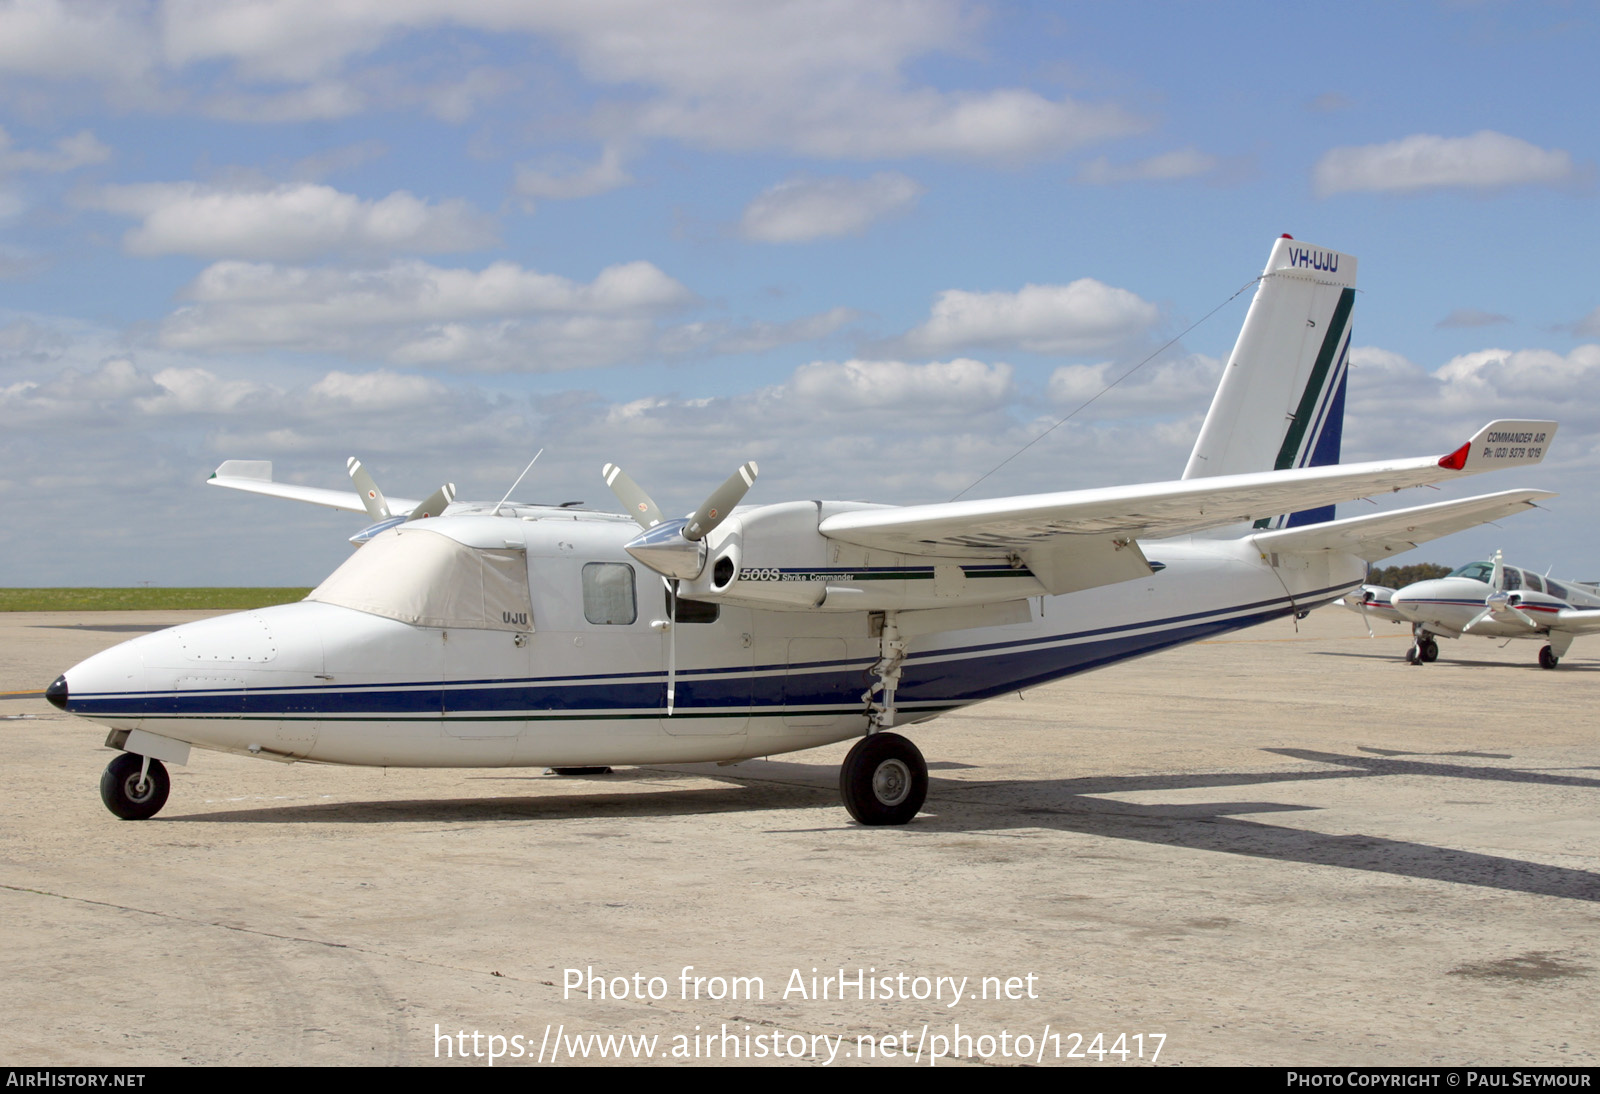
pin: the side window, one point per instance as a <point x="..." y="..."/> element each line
<point x="1510" y="578"/>
<point x="1535" y="582"/>
<point x="608" y="593"/>
<point x="692" y="611"/>
<point x="1558" y="590"/>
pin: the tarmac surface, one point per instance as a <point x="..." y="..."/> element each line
<point x="1286" y="847"/>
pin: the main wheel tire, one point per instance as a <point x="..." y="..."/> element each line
<point x="1429" y="650"/>
<point x="884" y="780"/>
<point x="120" y="789"/>
<point x="1411" y="656"/>
<point x="1548" y="658"/>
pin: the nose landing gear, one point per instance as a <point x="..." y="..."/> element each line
<point x="1425" y="651"/>
<point x="135" y="787"/>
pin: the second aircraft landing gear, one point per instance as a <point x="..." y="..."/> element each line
<point x="884" y="779"/>
<point x="1425" y="650"/>
<point x="1548" y="658"/>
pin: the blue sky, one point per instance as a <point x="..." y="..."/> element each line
<point x="876" y="247"/>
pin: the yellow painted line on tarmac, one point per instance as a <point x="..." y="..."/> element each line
<point x="40" y="694"/>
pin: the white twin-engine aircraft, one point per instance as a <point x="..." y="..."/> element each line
<point x="1493" y="600"/>
<point x="517" y="635"/>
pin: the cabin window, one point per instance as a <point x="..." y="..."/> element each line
<point x="1535" y="582"/>
<point x="608" y="593"/>
<point x="1510" y="578"/>
<point x="427" y="579"/>
<point x="1558" y="590"/>
<point x="692" y="611"/>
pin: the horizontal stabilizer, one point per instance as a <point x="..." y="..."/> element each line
<point x="1380" y="535"/>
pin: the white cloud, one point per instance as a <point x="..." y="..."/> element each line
<point x="1484" y="161"/>
<point x="199" y="391"/>
<point x="826" y="78"/>
<point x="381" y="391"/>
<point x="419" y="313"/>
<point x="1182" y="163"/>
<point x="962" y="385"/>
<point x="1179" y="387"/>
<point x="58" y="39"/>
<point x="563" y="181"/>
<point x="1084" y="316"/>
<point x="69" y="153"/>
<point x="801" y="210"/>
<point x="287" y="222"/>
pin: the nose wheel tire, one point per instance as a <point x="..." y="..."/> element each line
<point x="1428" y="650"/>
<point x="1547" y="658"/>
<point x="884" y="780"/>
<point x="127" y="794"/>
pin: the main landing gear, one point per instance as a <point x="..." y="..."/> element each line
<point x="884" y="779"/>
<point x="1424" y="651"/>
<point x="1548" y="658"/>
<point x="134" y="787"/>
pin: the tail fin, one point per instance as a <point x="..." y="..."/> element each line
<point x="1281" y="400"/>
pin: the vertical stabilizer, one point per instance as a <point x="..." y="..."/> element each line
<point x="1281" y="400"/>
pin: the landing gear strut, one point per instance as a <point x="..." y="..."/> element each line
<point x="884" y="780"/>
<point x="134" y="787"/>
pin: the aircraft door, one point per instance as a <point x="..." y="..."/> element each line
<point x="486" y="656"/>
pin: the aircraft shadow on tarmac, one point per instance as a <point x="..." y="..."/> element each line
<point x="1568" y="665"/>
<point x="1065" y="805"/>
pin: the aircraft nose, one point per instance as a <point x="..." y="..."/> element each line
<point x="1402" y="602"/>
<point x="57" y="693"/>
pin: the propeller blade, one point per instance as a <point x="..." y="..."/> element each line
<point x="1496" y="574"/>
<point x="434" y="503"/>
<point x="635" y="501"/>
<point x="672" y="649"/>
<point x="715" y="509"/>
<point x="1522" y="615"/>
<point x="376" y="504"/>
<point x="1479" y="618"/>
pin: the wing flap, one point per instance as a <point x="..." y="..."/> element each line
<point x="1380" y="535"/>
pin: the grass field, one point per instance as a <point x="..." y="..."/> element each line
<point x="142" y="599"/>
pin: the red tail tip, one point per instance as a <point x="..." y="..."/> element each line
<point x="1457" y="459"/>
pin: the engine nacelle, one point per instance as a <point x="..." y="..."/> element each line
<point x="774" y="557"/>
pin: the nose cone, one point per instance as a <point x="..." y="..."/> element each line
<point x="1410" y="601"/>
<point x="57" y="693"/>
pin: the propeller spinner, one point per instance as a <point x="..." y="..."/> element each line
<point x="676" y="548"/>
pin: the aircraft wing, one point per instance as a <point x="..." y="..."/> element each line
<point x="255" y="476"/>
<point x="1574" y="621"/>
<point x="1379" y="535"/>
<point x="1002" y="526"/>
<point x="1081" y="538"/>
